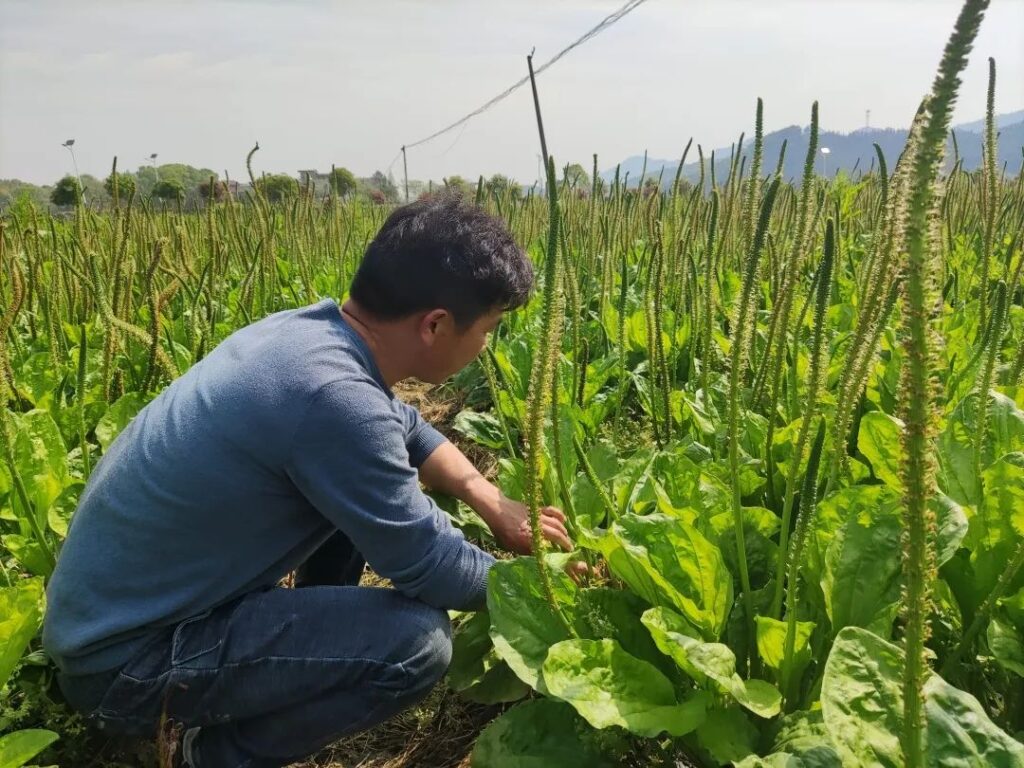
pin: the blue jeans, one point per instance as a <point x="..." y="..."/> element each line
<point x="278" y="674"/>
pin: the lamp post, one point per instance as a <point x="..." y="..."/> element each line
<point x="825" y="151"/>
<point x="69" y="145"/>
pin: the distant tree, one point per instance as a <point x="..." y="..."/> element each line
<point x="376" y="197"/>
<point x="67" y="191"/>
<point x="125" y="185"/>
<point x="459" y="185"/>
<point x="385" y="186"/>
<point x="278" y="186"/>
<point x="342" y="181"/>
<point x="219" y="189"/>
<point x="650" y="186"/>
<point x="169" y="190"/>
<point x="577" y="176"/>
<point x="189" y="177"/>
<point x="498" y="184"/>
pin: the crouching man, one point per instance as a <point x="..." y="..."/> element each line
<point x="286" y="450"/>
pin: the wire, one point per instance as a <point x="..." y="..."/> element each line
<point x="606" y="22"/>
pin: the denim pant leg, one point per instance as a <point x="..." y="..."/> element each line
<point x="282" y="673"/>
<point x="335" y="563"/>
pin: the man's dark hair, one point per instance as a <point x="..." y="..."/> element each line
<point x="441" y="252"/>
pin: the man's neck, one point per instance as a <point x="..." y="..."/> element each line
<point x="384" y="340"/>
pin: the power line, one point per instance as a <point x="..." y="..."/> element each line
<point x="606" y="22"/>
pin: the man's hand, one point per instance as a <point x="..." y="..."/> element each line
<point x="511" y="527"/>
<point x="449" y="471"/>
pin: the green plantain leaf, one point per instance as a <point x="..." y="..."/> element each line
<point x="118" y="416"/>
<point x="960" y="733"/>
<point x="20" y="611"/>
<point x="771" y="643"/>
<point x="480" y="427"/>
<point x="1007" y="645"/>
<point x="543" y="734"/>
<point x="861" y="580"/>
<point x="668" y="562"/>
<point x="705" y="662"/>
<point x="862" y="705"/>
<point x="727" y="735"/>
<point x="17" y="748"/>
<point x="523" y="626"/>
<point x="609" y="687"/>
<point x="879" y="441"/>
<point x="41" y="459"/>
<point x="862" y="699"/>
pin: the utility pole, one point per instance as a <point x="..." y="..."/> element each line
<point x="405" y="170"/>
<point x="867" y="118"/>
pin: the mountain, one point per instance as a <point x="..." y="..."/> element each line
<point x="847" y="151"/>
<point x="1002" y="121"/>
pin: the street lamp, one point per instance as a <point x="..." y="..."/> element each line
<point x="69" y="145"/>
<point x="825" y="151"/>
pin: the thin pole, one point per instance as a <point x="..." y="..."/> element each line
<point x="405" y="170"/>
<point x="536" y="107"/>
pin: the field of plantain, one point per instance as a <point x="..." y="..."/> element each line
<point x="785" y="421"/>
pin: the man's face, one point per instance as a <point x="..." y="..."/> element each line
<point x="449" y="348"/>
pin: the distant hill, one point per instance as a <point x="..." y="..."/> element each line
<point x="847" y="151"/>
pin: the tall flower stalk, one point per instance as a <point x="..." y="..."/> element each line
<point x="917" y="392"/>
<point x="737" y="363"/>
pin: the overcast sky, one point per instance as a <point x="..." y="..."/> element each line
<point x="350" y="81"/>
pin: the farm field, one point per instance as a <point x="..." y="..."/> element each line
<point x="784" y="417"/>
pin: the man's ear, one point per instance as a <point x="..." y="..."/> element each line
<point x="431" y="323"/>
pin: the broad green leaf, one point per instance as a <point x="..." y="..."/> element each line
<point x="863" y="566"/>
<point x="862" y="699"/>
<point x="804" y="735"/>
<point x="471" y="642"/>
<point x="816" y="757"/>
<point x="956" y="447"/>
<point x="862" y="705"/>
<point x="670" y="563"/>
<point x="609" y="687"/>
<point x="17" y="748"/>
<point x="480" y="427"/>
<point x="601" y="612"/>
<point x="705" y="662"/>
<point x="1014" y="605"/>
<point x="20" y="612"/>
<point x="1000" y="518"/>
<point x="833" y="511"/>
<point x="1007" y="645"/>
<point x="63" y="507"/>
<point x="41" y="459"/>
<point x="475" y="671"/>
<point x="36" y="379"/>
<point x="771" y="643"/>
<point x="879" y="441"/>
<point x="541" y="734"/>
<point x="960" y="733"/>
<point x="118" y="416"/>
<point x="727" y="735"/>
<point x="523" y="626"/>
<point x="27" y="551"/>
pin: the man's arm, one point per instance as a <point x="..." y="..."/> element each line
<point x="349" y="458"/>
<point x="448" y="470"/>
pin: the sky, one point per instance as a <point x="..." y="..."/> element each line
<point x="350" y="81"/>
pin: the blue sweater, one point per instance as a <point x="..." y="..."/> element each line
<point x="235" y="474"/>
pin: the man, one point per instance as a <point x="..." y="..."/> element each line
<point x="285" y="449"/>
